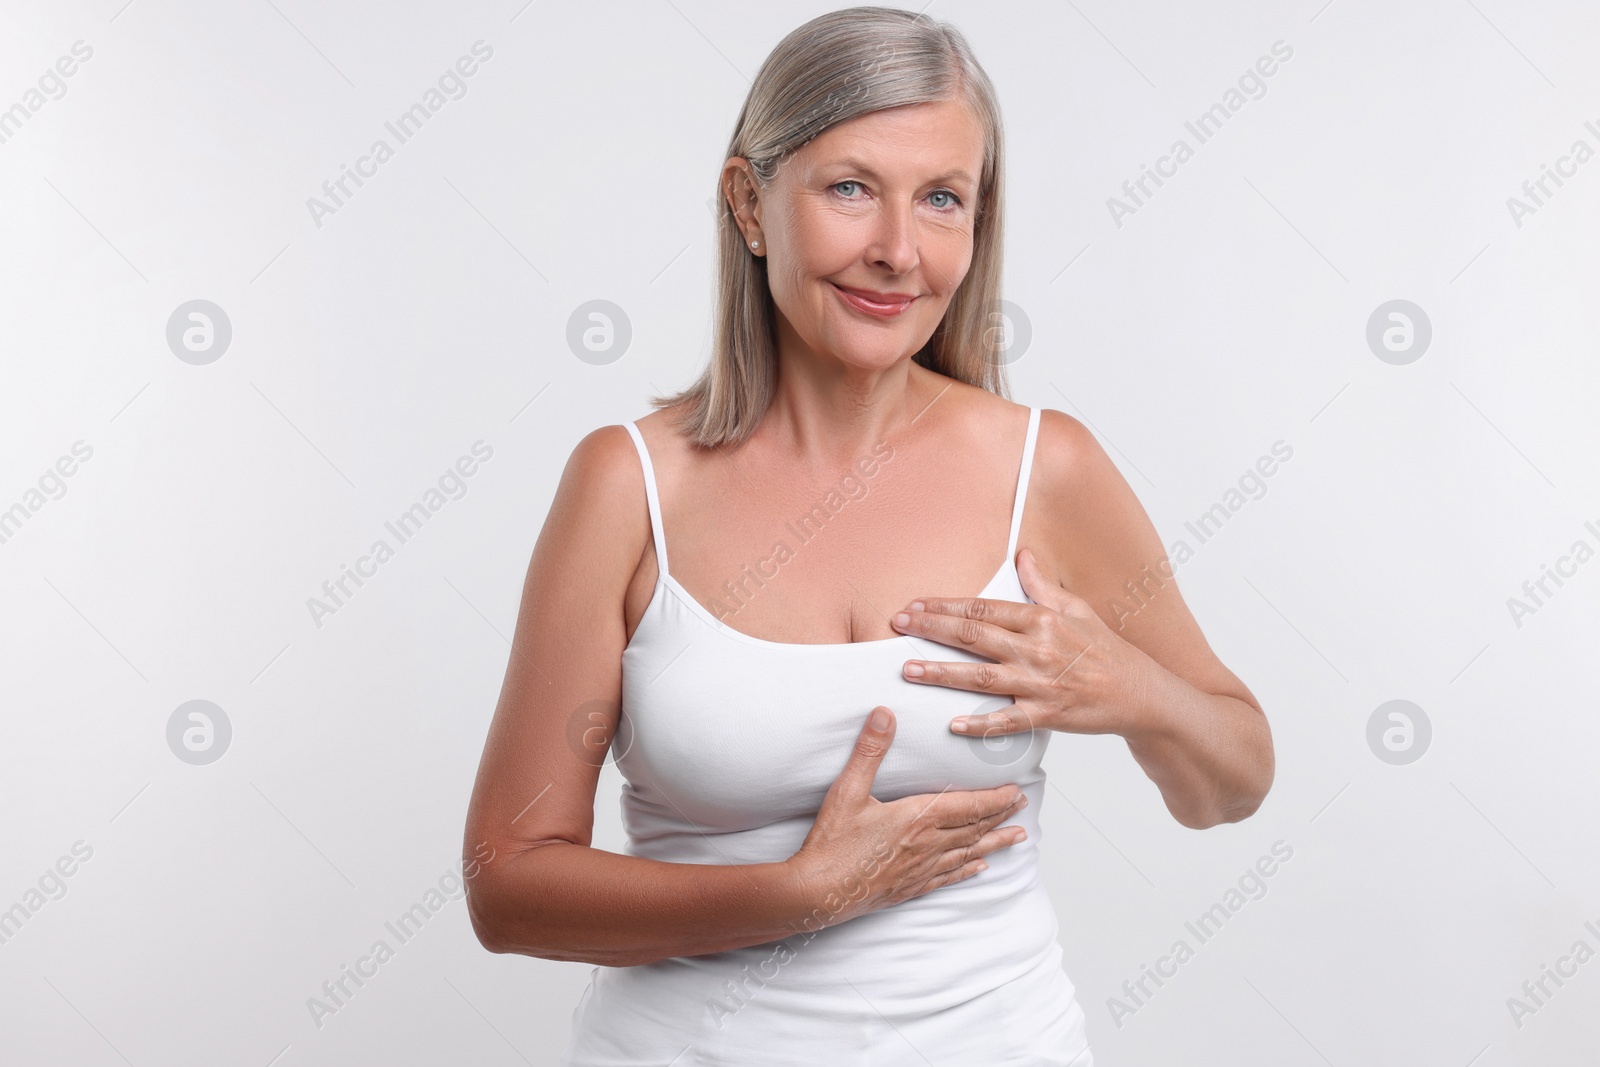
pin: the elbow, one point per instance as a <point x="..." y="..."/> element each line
<point x="1246" y="798"/>
<point x="480" y="912"/>
<point x="1215" y="817"/>
<point x="1254" y="792"/>
<point x="1240" y="810"/>
<point x="505" y="922"/>
<point x="490" y="940"/>
<point x="496" y="906"/>
<point x="1237" y="808"/>
<point x="1197" y="821"/>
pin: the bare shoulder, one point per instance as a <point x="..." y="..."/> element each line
<point x="603" y="483"/>
<point x="597" y="531"/>
<point x="1072" y="466"/>
<point x="1100" y="530"/>
<point x="1070" y="469"/>
<point x="565" y="652"/>
<point x="667" y="446"/>
<point x="1099" y="540"/>
<point x="985" y="416"/>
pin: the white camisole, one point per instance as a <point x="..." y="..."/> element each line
<point x="727" y="744"/>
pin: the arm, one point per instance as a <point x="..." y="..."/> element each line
<point x="535" y="886"/>
<point x="1191" y="724"/>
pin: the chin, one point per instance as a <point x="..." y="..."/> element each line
<point x="878" y="355"/>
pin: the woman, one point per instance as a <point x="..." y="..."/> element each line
<point x="735" y="595"/>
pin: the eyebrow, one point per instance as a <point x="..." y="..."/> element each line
<point x="858" y="165"/>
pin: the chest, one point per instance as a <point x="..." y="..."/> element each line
<point x="732" y="735"/>
<point x="834" y="564"/>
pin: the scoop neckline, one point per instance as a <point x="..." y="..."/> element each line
<point x="718" y="625"/>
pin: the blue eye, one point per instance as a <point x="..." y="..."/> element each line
<point x="955" y="201"/>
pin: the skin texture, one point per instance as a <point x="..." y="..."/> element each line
<point x="877" y="203"/>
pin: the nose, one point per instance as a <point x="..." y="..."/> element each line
<point x="893" y="244"/>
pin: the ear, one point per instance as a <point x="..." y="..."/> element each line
<point x="740" y="189"/>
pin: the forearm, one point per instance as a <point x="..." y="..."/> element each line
<point x="564" y="901"/>
<point x="1210" y="755"/>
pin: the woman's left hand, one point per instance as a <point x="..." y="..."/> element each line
<point x="1058" y="660"/>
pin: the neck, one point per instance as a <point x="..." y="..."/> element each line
<point x="827" y="411"/>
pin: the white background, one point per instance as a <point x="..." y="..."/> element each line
<point x="430" y="311"/>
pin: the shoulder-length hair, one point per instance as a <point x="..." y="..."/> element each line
<point x="834" y="68"/>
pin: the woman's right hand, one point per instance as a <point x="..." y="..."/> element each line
<point x="863" y="854"/>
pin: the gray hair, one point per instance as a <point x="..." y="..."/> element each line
<point x="835" y="68"/>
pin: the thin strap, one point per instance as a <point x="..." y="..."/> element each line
<point x="1022" y="482"/>
<point x="652" y="497"/>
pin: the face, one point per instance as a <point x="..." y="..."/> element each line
<point x="867" y="230"/>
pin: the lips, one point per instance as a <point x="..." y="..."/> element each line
<point x="873" y="302"/>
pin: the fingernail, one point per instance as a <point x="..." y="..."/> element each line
<point x="902" y="620"/>
<point x="959" y="725"/>
<point x="982" y="866"/>
<point x="1021" y="835"/>
<point x="917" y="605"/>
<point x="913" y="670"/>
<point x="880" y="719"/>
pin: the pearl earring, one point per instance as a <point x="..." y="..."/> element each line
<point x="755" y="244"/>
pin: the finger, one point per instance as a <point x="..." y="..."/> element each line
<point x="989" y="627"/>
<point x="1011" y="719"/>
<point x="961" y="873"/>
<point x="855" y="781"/>
<point x="950" y="811"/>
<point x="964" y="854"/>
<point x="1006" y="815"/>
<point x="968" y="870"/>
<point x="995" y="840"/>
<point x="999" y="678"/>
<point x="1042" y="588"/>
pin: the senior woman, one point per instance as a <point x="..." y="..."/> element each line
<point x="830" y="708"/>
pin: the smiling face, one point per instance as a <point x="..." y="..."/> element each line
<point x="868" y="231"/>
